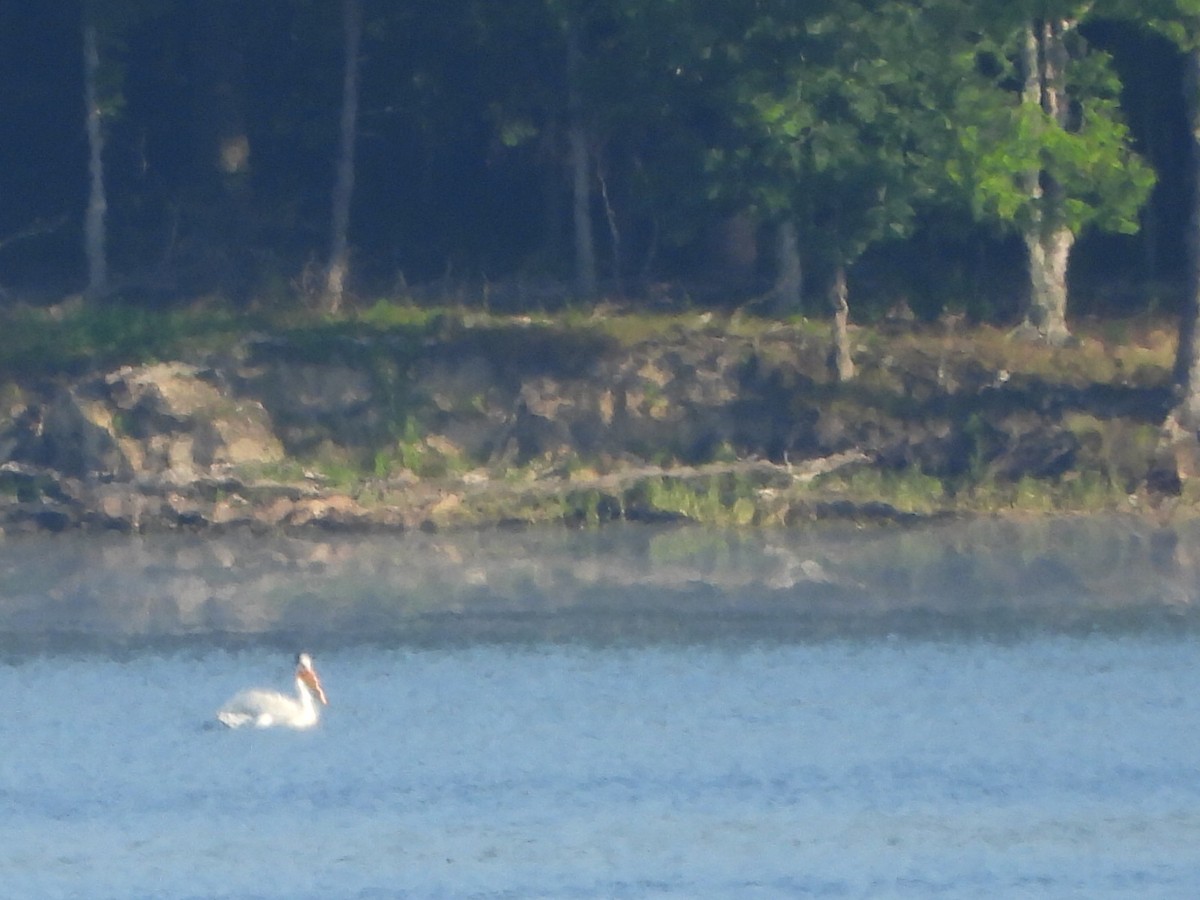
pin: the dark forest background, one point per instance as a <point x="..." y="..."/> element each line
<point x="463" y="163"/>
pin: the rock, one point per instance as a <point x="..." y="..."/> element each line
<point x="232" y="510"/>
<point x="186" y="510"/>
<point x="313" y="402"/>
<point x="78" y="436"/>
<point x="275" y="512"/>
<point x="117" y="506"/>
<point x="173" y="391"/>
<point x="444" y="507"/>
<point x="238" y="435"/>
<point x="333" y="510"/>
<point x="164" y="419"/>
<point x="1176" y="459"/>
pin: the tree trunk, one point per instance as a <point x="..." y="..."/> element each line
<point x="1048" y="253"/>
<point x="94" y="219"/>
<point x="1188" y="352"/>
<point x="585" y="249"/>
<point x="1177" y="457"/>
<point x="789" y="275"/>
<point x="842" y="361"/>
<point x="614" y="230"/>
<point x="1187" y="360"/>
<point x="343" y="188"/>
<point x="1048" y="240"/>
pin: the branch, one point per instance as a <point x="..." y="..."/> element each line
<point x="38" y="228"/>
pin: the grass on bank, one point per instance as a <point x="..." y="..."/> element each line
<point x="75" y="335"/>
<point x="1137" y="352"/>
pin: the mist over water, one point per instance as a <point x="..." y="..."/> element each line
<point x="992" y="709"/>
<point x="614" y="584"/>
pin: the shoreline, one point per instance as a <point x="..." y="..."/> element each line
<point x="752" y="494"/>
<point x="416" y="421"/>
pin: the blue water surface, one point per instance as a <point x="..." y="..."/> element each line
<point x="1052" y="767"/>
<point x="987" y="709"/>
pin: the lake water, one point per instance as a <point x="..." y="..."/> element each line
<point x="991" y="710"/>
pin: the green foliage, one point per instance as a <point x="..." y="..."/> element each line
<point x="854" y="120"/>
<point x="386" y="314"/>
<point x="907" y="490"/>
<point x="713" y="501"/>
<point x="1005" y="139"/>
<point x="845" y="121"/>
<point x="1113" y="451"/>
<point x="118" y="332"/>
<point x="110" y="334"/>
<point x="1177" y="20"/>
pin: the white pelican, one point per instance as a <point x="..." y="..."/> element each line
<point x="264" y="709"/>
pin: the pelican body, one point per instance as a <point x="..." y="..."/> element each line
<point x="267" y="709"/>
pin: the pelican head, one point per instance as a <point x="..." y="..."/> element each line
<point x="308" y="679"/>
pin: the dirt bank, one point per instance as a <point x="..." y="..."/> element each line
<point x="493" y="421"/>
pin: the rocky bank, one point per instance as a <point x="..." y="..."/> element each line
<point x="521" y="421"/>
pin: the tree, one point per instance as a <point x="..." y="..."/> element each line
<point x="653" y="89"/>
<point x="605" y="92"/>
<point x="1179" y="21"/>
<point x="789" y="269"/>
<point x="94" y="236"/>
<point x="840" y="132"/>
<point x="1179" y="440"/>
<point x="1043" y="147"/>
<point x="103" y="24"/>
<point x="580" y="157"/>
<point x="1048" y="237"/>
<point x="335" y="276"/>
<point x="1187" y="366"/>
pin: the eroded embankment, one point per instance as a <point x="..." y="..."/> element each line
<point x="515" y="421"/>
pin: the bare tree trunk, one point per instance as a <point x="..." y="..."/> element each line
<point x="585" y="249"/>
<point x="343" y="189"/>
<point x="614" y="230"/>
<point x="1049" y="253"/>
<point x="1187" y="361"/>
<point x="1048" y="240"/>
<point x="842" y="361"/>
<point x="789" y="275"/>
<point x="94" y="219"/>
<point x="1177" y="457"/>
<point x="1188" y="352"/>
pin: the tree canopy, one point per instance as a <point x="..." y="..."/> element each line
<point x="486" y="131"/>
